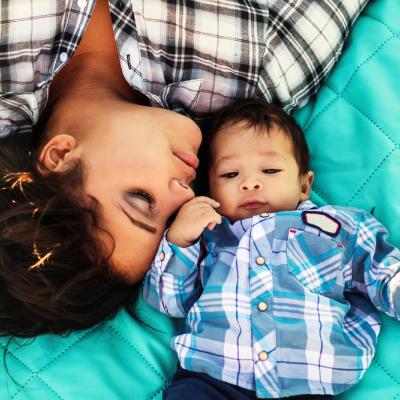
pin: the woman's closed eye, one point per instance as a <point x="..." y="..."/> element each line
<point x="143" y="195"/>
<point x="143" y="202"/>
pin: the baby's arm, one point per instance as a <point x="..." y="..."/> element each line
<point x="376" y="266"/>
<point x="172" y="284"/>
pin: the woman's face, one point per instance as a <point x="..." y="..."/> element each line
<point x="140" y="163"/>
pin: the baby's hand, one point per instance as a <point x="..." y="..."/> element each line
<point x="193" y="217"/>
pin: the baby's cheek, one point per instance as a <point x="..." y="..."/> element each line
<point x="287" y="202"/>
<point x="218" y="194"/>
<point x="225" y="204"/>
<point x="225" y="195"/>
<point x="222" y="209"/>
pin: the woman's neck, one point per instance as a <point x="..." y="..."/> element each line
<point x="92" y="76"/>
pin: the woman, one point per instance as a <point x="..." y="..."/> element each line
<point x="84" y="206"/>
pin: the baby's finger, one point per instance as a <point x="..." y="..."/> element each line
<point x="211" y="219"/>
<point x="207" y="215"/>
<point x="216" y="220"/>
<point x="211" y="226"/>
<point x="207" y="200"/>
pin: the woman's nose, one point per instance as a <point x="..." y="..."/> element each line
<point x="180" y="193"/>
<point x="250" y="184"/>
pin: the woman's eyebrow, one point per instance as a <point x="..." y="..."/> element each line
<point x="140" y="224"/>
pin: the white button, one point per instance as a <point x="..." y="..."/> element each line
<point x="161" y="256"/>
<point x="262" y="306"/>
<point x="63" y="57"/>
<point x="263" y="356"/>
<point x="260" y="261"/>
<point x="264" y="215"/>
<point x="82" y="4"/>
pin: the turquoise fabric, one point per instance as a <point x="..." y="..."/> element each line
<point x="353" y="128"/>
<point x="118" y="359"/>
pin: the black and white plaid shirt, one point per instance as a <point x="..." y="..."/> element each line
<point x="188" y="56"/>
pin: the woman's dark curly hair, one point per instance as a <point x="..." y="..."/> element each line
<point x="55" y="274"/>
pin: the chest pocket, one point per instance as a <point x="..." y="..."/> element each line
<point x="315" y="261"/>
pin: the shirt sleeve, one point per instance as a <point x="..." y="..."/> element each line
<point x="376" y="266"/>
<point x="303" y="42"/>
<point x="173" y="284"/>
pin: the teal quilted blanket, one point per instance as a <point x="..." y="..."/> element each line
<point x="353" y="129"/>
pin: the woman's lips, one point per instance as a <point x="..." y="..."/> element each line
<point x="191" y="162"/>
<point x="188" y="158"/>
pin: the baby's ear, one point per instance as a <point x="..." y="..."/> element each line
<point x="305" y="185"/>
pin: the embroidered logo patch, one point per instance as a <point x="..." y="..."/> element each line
<point x="321" y="221"/>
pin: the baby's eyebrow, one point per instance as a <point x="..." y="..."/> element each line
<point x="269" y="154"/>
<point x="225" y="158"/>
<point x="272" y="154"/>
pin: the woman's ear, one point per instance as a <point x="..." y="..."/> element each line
<point x="57" y="154"/>
<point x="305" y="185"/>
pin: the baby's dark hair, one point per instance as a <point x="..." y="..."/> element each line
<point x="55" y="274"/>
<point x="258" y="114"/>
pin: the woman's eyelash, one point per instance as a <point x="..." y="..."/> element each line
<point x="144" y="195"/>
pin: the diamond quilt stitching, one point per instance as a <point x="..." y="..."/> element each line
<point x="368" y="59"/>
<point x="32" y="376"/>
<point x="380" y="21"/>
<point x="35" y="374"/>
<point x="129" y="344"/>
<point x="376" y="125"/>
<point x="386" y="371"/>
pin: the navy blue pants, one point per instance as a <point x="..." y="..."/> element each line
<point x="188" y="385"/>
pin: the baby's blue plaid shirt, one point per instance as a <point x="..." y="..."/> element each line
<point x="276" y="305"/>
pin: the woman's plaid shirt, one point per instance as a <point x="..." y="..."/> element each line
<point x="189" y="56"/>
<point x="281" y="303"/>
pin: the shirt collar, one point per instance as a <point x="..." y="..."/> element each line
<point x="306" y="205"/>
<point x="239" y="227"/>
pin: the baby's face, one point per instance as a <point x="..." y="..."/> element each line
<point x="255" y="172"/>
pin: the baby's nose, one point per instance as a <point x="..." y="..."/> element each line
<point x="251" y="185"/>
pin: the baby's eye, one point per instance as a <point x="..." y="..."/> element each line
<point x="271" y="170"/>
<point x="230" y="175"/>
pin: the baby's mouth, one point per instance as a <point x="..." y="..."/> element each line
<point x="252" y="205"/>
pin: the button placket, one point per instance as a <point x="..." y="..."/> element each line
<point x="260" y="260"/>
<point x="263" y="356"/>
<point x="63" y="56"/>
<point x="262" y="306"/>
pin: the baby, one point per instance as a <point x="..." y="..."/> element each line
<point x="279" y="295"/>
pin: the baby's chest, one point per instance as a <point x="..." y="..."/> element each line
<point x="282" y="255"/>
